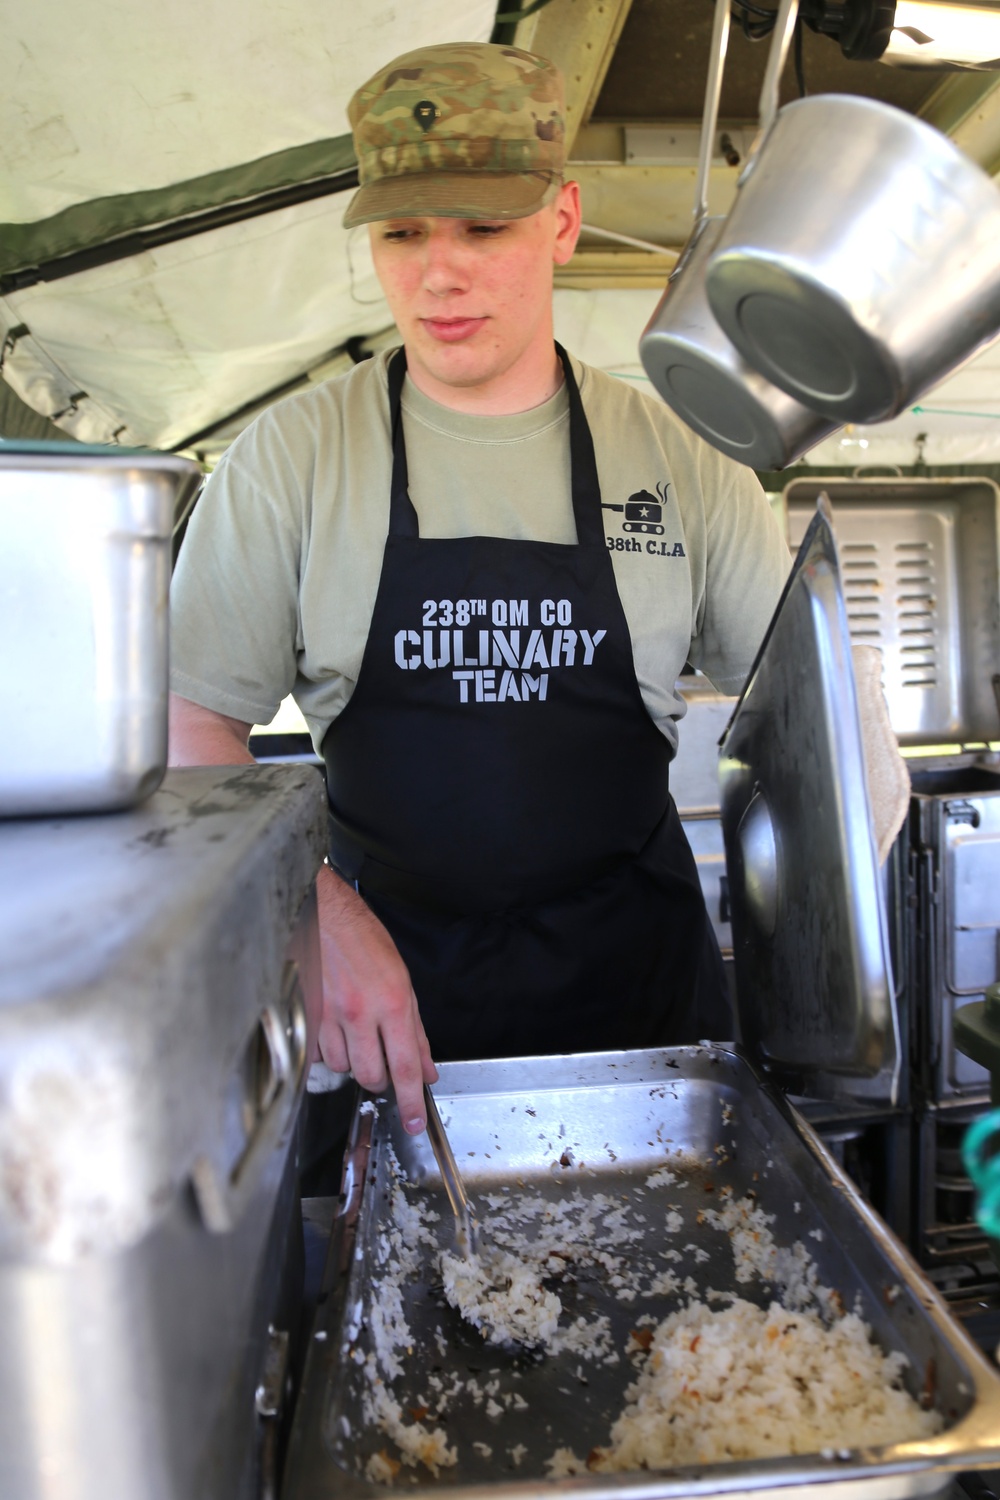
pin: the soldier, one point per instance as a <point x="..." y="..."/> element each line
<point x="424" y="553"/>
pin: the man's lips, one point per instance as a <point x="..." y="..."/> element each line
<point x="452" y="330"/>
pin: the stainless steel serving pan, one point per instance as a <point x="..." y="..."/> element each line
<point x="604" y="1123"/>
<point x="858" y="265"/>
<point x="689" y="359"/>
<point x="84" y="577"/>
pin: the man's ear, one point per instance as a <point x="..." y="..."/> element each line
<point x="568" y="216"/>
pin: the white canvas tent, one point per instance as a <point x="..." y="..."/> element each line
<point x="172" y="182"/>
<point x="131" y="116"/>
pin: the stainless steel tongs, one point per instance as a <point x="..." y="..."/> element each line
<point x="466" y="1227"/>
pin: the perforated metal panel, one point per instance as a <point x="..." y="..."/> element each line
<point x="920" y="577"/>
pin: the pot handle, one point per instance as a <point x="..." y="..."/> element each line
<point x="781" y="41"/>
<point x="710" y="114"/>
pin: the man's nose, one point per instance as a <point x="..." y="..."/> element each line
<point x="444" y="265"/>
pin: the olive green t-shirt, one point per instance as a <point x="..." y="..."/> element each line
<point x="275" y="585"/>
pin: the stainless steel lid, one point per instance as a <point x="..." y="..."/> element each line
<point x="810" y="936"/>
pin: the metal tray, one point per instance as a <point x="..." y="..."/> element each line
<point x="922" y="582"/>
<point x="603" y="1124"/>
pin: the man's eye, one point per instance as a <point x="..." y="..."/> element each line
<point x="398" y="236"/>
<point x="487" y="231"/>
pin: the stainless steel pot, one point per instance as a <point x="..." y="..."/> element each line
<point x="84" y="577"/>
<point x="689" y="359"/>
<point x="858" y="265"/>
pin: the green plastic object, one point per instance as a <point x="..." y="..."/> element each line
<point x="981" y="1155"/>
<point x="977" y="1034"/>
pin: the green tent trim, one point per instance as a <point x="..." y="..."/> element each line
<point x="86" y="226"/>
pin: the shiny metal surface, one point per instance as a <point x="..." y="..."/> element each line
<point x="921" y="581"/>
<point x="810" y="934"/>
<point x="700" y="375"/>
<point x="694" y="771"/>
<point x="84" y="577"/>
<point x="466" y="1231"/>
<point x="704" y="834"/>
<point x="621" y="1116"/>
<point x="858" y="264"/>
<point x="960" y="847"/>
<point x="690" y="361"/>
<point x="138" y="955"/>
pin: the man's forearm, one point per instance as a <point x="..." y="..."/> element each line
<point x="201" y="737"/>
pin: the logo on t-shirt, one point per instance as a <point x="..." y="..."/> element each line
<point x="643" y="514"/>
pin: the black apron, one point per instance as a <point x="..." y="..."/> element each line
<point x="499" y="793"/>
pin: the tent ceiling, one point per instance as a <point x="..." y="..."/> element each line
<point x="117" y="139"/>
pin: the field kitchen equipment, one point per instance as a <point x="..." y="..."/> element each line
<point x="922" y="582"/>
<point x="84" y="577"/>
<point x="857" y="266"/>
<point x="687" y="356"/>
<point x="155" y="970"/>
<point x="661" y="1132"/>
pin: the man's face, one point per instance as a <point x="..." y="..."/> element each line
<point x="473" y="298"/>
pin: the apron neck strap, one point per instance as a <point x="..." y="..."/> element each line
<point x="583" y="463"/>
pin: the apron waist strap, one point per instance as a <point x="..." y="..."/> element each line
<point x="460" y="897"/>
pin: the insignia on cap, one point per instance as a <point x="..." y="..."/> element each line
<point x="425" y="113"/>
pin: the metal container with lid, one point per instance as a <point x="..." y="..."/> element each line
<point x="84" y="579"/>
<point x="920" y="561"/>
<point x="156" y="968"/>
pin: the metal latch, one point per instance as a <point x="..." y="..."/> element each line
<point x="270" y="1398"/>
<point x="962" y="811"/>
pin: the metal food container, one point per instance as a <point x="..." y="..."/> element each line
<point x="155" y="969"/>
<point x="84" y="580"/>
<point x="606" y="1123"/>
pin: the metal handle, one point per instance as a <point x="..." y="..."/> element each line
<point x="710" y="114"/>
<point x="224" y="1189"/>
<point x="781" y="40"/>
<point x="465" y="1222"/>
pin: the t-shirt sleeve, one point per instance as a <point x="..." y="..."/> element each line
<point x="746" y="565"/>
<point x="234" y="616"/>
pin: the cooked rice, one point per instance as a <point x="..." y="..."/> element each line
<point x="718" y="1380"/>
<point x="745" y="1382"/>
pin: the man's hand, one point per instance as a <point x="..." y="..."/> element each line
<point x="370" y="1016"/>
<point x="371" y="1024"/>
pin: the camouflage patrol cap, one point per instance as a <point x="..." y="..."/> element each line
<point x="467" y="130"/>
